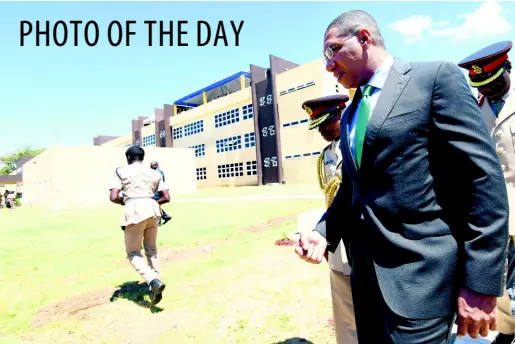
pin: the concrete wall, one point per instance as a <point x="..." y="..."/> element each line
<point x="79" y="176"/>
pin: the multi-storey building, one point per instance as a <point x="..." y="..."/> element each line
<point x="247" y="129"/>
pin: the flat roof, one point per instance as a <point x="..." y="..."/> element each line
<point x="215" y="90"/>
<point x="10" y="179"/>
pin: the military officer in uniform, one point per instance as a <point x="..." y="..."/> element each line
<point x="324" y="114"/>
<point x="141" y="215"/>
<point x="489" y="72"/>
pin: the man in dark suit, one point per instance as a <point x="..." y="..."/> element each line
<point x="424" y="214"/>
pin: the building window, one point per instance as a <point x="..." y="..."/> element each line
<point x="251" y="168"/>
<point x="291" y="124"/>
<point x="162" y="134"/>
<point x="248" y="111"/>
<point x="200" y="150"/>
<point x="177" y="133"/>
<point x="149" y="140"/>
<point x="228" y="144"/>
<point x="250" y="140"/>
<point x="228" y="117"/>
<point x="127" y="145"/>
<point x="137" y="142"/>
<point x="201" y="173"/>
<point x="230" y="170"/>
<point x="194" y="128"/>
<point x="296" y="88"/>
<point x="299" y="156"/>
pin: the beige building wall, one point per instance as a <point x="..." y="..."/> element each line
<point x="196" y="129"/>
<point x="124" y="141"/>
<point x="301" y="147"/>
<point x="224" y="158"/>
<point x="80" y="176"/>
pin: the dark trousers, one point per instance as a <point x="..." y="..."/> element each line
<point x="376" y="323"/>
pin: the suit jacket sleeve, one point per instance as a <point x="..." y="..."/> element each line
<point x="469" y="155"/>
<point x="338" y="214"/>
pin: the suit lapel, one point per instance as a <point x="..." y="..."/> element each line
<point x="347" y="157"/>
<point x="390" y="93"/>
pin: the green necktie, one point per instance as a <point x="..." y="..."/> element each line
<point x="361" y="126"/>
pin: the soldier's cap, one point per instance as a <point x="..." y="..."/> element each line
<point x="324" y="108"/>
<point x="487" y="64"/>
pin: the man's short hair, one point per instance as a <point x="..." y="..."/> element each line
<point x="154" y="164"/>
<point x="349" y="23"/>
<point x="135" y="153"/>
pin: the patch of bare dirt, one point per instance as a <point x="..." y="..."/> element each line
<point x="168" y="254"/>
<point x="330" y="323"/>
<point x="73" y="305"/>
<point x="285" y="242"/>
<point x="77" y="305"/>
<point x="273" y="222"/>
<point x="80" y="306"/>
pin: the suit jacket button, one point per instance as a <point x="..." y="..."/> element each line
<point x="503" y="168"/>
<point x="500" y="150"/>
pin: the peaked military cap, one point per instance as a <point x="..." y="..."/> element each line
<point x="323" y="108"/>
<point x="487" y="64"/>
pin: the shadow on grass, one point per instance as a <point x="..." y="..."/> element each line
<point x="137" y="293"/>
<point x="295" y="340"/>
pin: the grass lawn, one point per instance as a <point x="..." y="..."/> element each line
<point x="65" y="279"/>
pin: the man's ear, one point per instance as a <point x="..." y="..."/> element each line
<point x="364" y="38"/>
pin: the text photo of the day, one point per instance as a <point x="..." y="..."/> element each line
<point x="257" y="172"/>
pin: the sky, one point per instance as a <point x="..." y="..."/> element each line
<point x="67" y="95"/>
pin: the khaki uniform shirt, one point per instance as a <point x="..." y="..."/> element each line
<point x="332" y="166"/>
<point x="138" y="184"/>
<point x="502" y="129"/>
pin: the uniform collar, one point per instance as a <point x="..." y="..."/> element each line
<point x="510" y="92"/>
<point x="508" y="104"/>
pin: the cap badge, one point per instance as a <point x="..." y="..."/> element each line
<point x="477" y="69"/>
<point x="308" y="110"/>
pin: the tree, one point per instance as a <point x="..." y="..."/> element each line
<point x="9" y="160"/>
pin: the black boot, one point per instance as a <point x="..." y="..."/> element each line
<point x="156" y="291"/>
<point x="504" y="338"/>
<point x="165" y="217"/>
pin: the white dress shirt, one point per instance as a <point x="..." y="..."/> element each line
<point x="377" y="80"/>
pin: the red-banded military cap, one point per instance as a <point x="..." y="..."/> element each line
<point x="487" y="64"/>
<point x="323" y="108"/>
